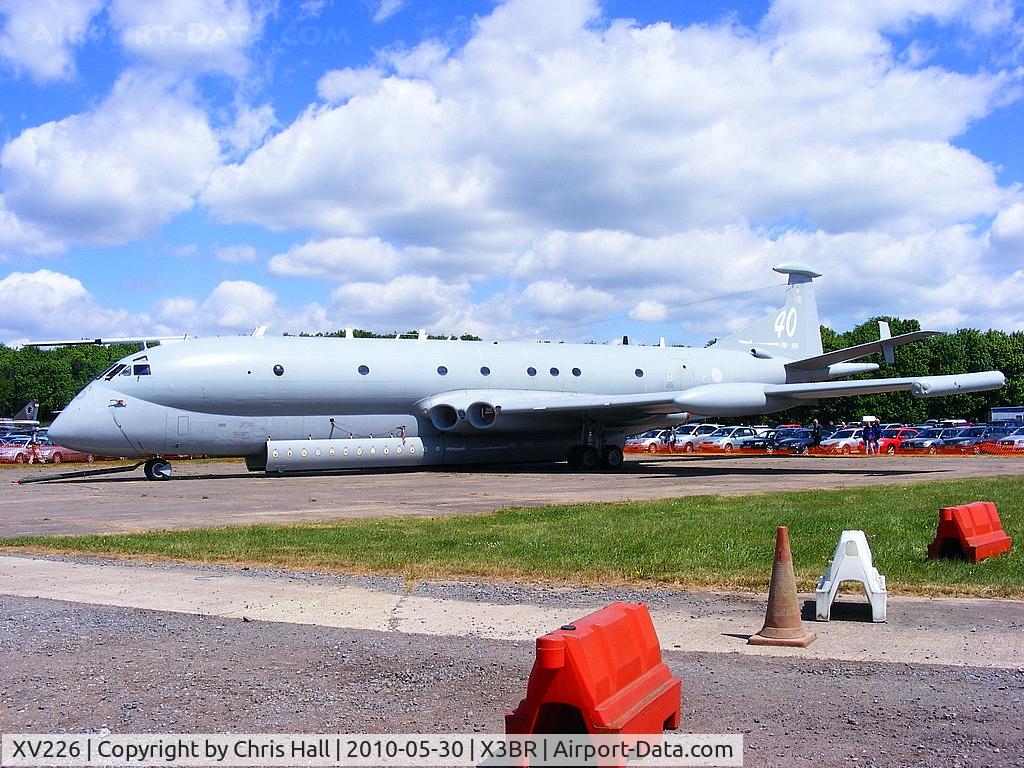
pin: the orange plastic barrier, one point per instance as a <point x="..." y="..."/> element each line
<point x="973" y="530"/>
<point x="603" y="674"/>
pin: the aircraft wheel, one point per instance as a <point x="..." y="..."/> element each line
<point x="891" y="450"/>
<point x="611" y="457"/>
<point x="158" y="469"/>
<point x="587" y="459"/>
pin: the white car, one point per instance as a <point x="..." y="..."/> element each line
<point x="651" y="439"/>
<point x="691" y="442"/>
<point x="726" y="439"/>
<point x="1014" y="440"/>
<point x="845" y="441"/>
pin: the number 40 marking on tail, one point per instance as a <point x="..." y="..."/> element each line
<point x="786" y="321"/>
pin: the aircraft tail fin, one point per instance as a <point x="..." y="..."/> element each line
<point x="793" y="331"/>
<point x="28" y="413"/>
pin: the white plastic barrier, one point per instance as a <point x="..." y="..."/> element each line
<point x="852" y="562"/>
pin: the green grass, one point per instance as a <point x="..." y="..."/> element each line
<point x="695" y="542"/>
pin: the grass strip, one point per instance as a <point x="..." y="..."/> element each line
<point x="702" y="542"/>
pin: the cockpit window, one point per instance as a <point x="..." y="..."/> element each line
<point x="126" y="372"/>
<point x="142" y="370"/>
<point x="113" y="371"/>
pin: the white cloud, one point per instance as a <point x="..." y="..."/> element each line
<point x="574" y="126"/>
<point x="338" y="259"/>
<point x="251" y="126"/>
<point x="34" y="305"/>
<point x="39" y="36"/>
<point x="235" y="254"/>
<point x="114" y="173"/>
<point x="387" y="9"/>
<point x="190" y="35"/>
<point x="403" y="303"/>
<point x="233" y="305"/>
<point x="649" y="312"/>
<point x="339" y="85"/>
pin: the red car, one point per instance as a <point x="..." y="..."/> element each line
<point x="892" y="439"/>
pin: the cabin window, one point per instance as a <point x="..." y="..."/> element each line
<point x="485" y="371"/>
<point x="554" y="371"/>
<point x="363" y="370"/>
<point x="112" y="372"/>
<point x="531" y="371"/>
<point x="142" y="370"/>
<point x="577" y="372"/>
<point x="639" y="373"/>
<point x="279" y="370"/>
<point x="442" y="371"/>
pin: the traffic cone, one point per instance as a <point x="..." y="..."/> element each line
<point x="782" y="624"/>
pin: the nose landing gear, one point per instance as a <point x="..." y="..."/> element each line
<point x="157" y="468"/>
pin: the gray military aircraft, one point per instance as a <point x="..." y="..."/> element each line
<point x="290" y="404"/>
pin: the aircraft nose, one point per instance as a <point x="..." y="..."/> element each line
<point x="86" y="425"/>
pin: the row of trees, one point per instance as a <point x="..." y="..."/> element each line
<point x="54" y="376"/>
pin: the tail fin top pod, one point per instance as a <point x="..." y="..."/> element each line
<point x="792" y="331"/>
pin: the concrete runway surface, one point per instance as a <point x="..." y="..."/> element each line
<point x="88" y="644"/>
<point x="223" y="493"/>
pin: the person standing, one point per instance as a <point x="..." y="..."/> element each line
<point x="815" y="434"/>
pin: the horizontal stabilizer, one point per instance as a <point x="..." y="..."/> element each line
<point x="819" y="362"/>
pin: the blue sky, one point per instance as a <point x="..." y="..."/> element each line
<point x="522" y="169"/>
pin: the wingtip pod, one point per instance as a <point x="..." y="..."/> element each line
<point x="960" y="383"/>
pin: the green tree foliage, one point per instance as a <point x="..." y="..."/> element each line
<point x="966" y="350"/>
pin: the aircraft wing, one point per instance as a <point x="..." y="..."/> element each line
<point x="861" y="350"/>
<point x="490" y="407"/>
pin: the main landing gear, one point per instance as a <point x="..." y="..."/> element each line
<point x="585" y="458"/>
<point x="593" y="452"/>
<point x="157" y="468"/>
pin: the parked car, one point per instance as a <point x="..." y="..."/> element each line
<point x="929" y="440"/>
<point x="845" y="441"/>
<point x="892" y="439"/>
<point x="691" y="442"/>
<point x="725" y="439"/>
<point x="651" y="439"/>
<point x="795" y="441"/>
<point x="1014" y="440"/>
<point x="969" y="440"/>
<point x="18" y="450"/>
<point x="760" y="441"/>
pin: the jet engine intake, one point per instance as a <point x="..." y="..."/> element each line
<point x="444" y="417"/>
<point x="482" y="415"/>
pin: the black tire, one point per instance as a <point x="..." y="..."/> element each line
<point x="19" y="459"/>
<point x="587" y="460"/>
<point x="652" y="448"/>
<point x="688" y="448"/>
<point x="158" y="469"/>
<point x="611" y="457"/>
<point x="56" y="458"/>
<point x="891" y="450"/>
